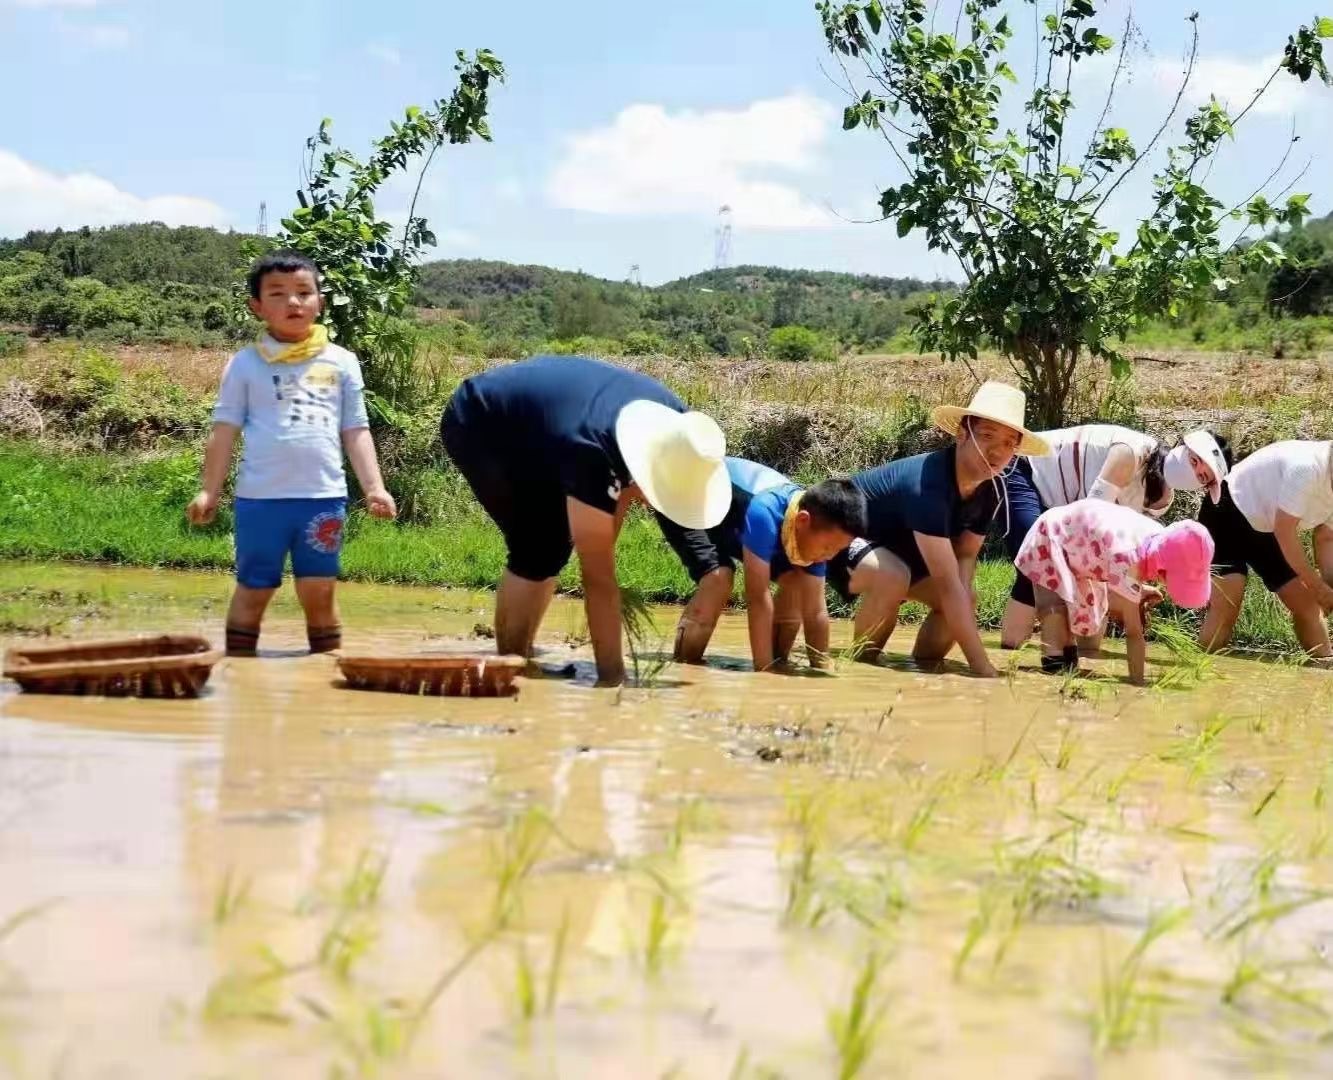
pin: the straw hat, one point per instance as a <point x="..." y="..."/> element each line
<point x="678" y="460"/>
<point x="1000" y="403"/>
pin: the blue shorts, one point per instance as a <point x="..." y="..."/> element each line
<point x="267" y="530"/>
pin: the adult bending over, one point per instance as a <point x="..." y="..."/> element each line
<point x="928" y="516"/>
<point x="1267" y="501"/>
<point x="1100" y="461"/>
<point x="556" y="449"/>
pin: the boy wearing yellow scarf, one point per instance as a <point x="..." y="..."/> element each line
<point x="298" y="402"/>
<point x="782" y="535"/>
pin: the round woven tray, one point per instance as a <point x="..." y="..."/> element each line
<point x="446" y="676"/>
<point x="162" y="666"/>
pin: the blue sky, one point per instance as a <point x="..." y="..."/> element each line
<point x="621" y="130"/>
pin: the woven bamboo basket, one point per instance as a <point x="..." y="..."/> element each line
<point x="164" y="666"/>
<point x="442" y="676"/>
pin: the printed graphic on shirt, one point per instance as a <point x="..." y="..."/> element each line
<point x="325" y="532"/>
<point x="310" y="396"/>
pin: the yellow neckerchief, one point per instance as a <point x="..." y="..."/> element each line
<point x="294" y="352"/>
<point x="789" y="545"/>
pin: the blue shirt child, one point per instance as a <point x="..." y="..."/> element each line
<point x="769" y="494"/>
<point x="292" y="417"/>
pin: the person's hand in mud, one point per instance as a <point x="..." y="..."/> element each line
<point x="380" y="504"/>
<point x="203" y="508"/>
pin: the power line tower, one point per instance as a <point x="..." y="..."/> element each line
<point x="634" y="276"/>
<point x="262" y="228"/>
<point x="722" y="239"/>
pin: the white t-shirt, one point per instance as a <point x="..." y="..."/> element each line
<point x="1292" y="476"/>
<point x="1077" y="457"/>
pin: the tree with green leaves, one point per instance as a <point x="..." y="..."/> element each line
<point x="1046" y="283"/>
<point x="369" y="272"/>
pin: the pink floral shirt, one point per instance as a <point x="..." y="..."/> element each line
<point x="1081" y="551"/>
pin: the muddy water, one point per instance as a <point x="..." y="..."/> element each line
<point x="291" y="879"/>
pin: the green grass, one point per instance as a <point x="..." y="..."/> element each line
<point x="129" y="510"/>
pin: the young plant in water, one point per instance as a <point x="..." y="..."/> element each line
<point x="640" y="632"/>
<point x="1196" y="751"/>
<point x="529" y="996"/>
<point x="1193" y="664"/>
<point x="361" y="890"/>
<point x="230" y="897"/>
<point x="517" y="853"/>
<point x="855" y="1028"/>
<point x="1125" y="1000"/>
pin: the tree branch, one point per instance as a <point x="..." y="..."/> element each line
<point x="1175" y="105"/>
<point x="412" y="208"/>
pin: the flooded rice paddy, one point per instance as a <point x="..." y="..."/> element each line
<point x="880" y="873"/>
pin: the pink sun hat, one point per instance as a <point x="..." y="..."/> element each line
<point x="1182" y="554"/>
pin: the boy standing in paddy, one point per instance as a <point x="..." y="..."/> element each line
<point x="299" y="402"/>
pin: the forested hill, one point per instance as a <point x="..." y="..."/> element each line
<point x="153" y="282"/>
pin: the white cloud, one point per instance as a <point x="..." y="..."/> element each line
<point x="650" y="161"/>
<point x="33" y="198"/>
<point x="1233" y="80"/>
<point x="385" y="54"/>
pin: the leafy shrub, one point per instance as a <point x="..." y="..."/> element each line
<point x="643" y="343"/>
<point x="798" y="343"/>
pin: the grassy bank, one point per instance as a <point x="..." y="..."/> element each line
<point x="127" y="509"/>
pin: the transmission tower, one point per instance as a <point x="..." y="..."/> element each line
<point x="262" y="230"/>
<point x="722" y="239"/>
<point x="634" y="276"/>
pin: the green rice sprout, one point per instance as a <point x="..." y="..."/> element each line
<point x="855" y="1028"/>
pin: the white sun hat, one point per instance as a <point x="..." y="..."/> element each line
<point x="679" y="461"/>
<point x="1180" y="474"/>
<point x="1000" y="403"/>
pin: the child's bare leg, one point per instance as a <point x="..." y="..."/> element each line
<point x="1057" y="642"/>
<point x="322" y="627"/>
<point x="786" y="619"/>
<point x="699" y="619"/>
<point x="244" y="616"/>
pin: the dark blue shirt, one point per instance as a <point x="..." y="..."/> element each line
<point x="554" y="417"/>
<point x="920" y="495"/>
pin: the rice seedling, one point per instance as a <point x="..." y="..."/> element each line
<point x="1022" y="885"/>
<point x="640" y="632"/>
<point x="659" y="925"/>
<point x="855" y="1028"/>
<point x="1196" y="750"/>
<point x="364" y="881"/>
<point x="231" y="895"/>
<point x="807" y="812"/>
<point x="922" y="815"/>
<point x="1271" y="986"/>
<point x="532" y="993"/>
<point x="556" y="970"/>
<point x="517" y="852"/>
<point x="994" y="772"/>
<point x="345" y="943"/>
<point x="371" y="1034"/>
<point x="525" y="984"/>
<point x="1117" y="785"/>
<point x="1126" y="1002"/>
<point x="1268" y="798"/>
<point x="417" y="1017"/>
<point x="1193" y="664"/>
